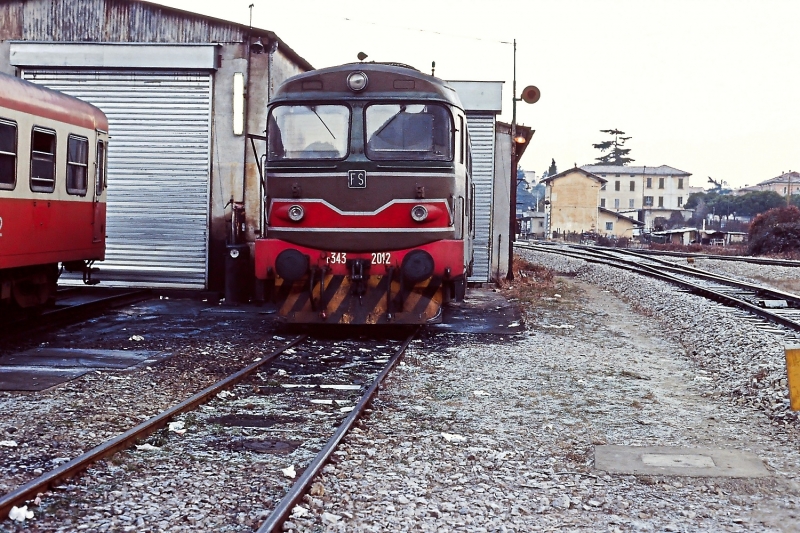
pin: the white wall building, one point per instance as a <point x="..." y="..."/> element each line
<point x="634" y="188"/>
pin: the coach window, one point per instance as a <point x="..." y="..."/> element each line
<point x="77" y="165"/>
<point x="410" y="132"/>
<point x="100" y="184"/>
<point x="298" y="132"/>
<point x="43" y="160"/>
<point x="8" y="154"/>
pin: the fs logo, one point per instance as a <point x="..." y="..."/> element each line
<point x="357" y="179"/>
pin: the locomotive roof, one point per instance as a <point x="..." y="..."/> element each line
<point x="27" y="97"/>
<point x="386" y="80"/>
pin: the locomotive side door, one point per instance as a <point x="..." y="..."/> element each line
<point x="98" y="207"/>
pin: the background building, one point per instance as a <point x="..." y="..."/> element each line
<point x="644" y="193"/>
<point x="634" y="188"/>
<point x="572" y="202"/>
<point x="780" y="184"/>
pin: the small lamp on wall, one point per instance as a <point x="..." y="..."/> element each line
<point x="238" y="103"/>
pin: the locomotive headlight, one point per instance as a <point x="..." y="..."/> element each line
<point x="419" y="213"/>
<point x="357" y="81"/>
<point x="296" y="213"/>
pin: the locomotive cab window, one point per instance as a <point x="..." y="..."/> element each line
<point x="43" y="160"/>
<point x="77" y="165"/>
<point x="302" y="132"/>
<point x="100" y="184"/>
<point x="417" y="132"/>
<point x="8" y="154"/>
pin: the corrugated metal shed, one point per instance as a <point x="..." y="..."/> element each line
<point x="481" y="132"/>
<point x="158" y="171"/>
<point x="482" y="101"/>
<point x="121" y="21"/>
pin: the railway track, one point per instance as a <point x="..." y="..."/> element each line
<point x="295" y="374"/>
<point x="731" y="258"/>
<point x="769" y="304"/>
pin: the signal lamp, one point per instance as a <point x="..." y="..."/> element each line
<point x="419" y="213"/>
<point x="296" y="213"/>
<point x="357" y="81"/>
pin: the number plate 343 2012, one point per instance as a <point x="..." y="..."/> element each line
<point x="340" y="258"/>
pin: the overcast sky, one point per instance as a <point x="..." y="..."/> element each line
<point x="711" y="87"/>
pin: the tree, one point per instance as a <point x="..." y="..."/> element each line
<point x="699" y="199"/>
<point x="552" y="171"/>
<point x="775" y="232"/>
<point x="617" y="155"/>
<point x="756" y="202"/>
<point x="675" y="220"/>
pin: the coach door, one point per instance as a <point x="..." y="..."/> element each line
<point x="98" y="208"/>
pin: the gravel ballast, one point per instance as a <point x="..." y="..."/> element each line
<point x="470" y="433"/>
<point x="497" y="433"/>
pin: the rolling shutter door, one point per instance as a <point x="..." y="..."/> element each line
<point x="158" y="171"/>
<point x="481" y="132"/>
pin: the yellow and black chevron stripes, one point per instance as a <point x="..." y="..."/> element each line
<point x="338" y="300"/>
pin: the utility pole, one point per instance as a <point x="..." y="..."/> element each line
<point x="530" y="95"/>
<point x="512" y="216"/>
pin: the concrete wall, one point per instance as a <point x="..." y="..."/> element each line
<point x="501" y="196"/>
<point x="573" y="203"/>
<point x="5" y="54"/>
<point x="234" y="172"/>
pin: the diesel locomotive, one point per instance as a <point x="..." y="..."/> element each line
<point x="52" y="190"/>
<point x="369" y="198"/>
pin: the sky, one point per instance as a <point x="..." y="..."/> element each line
<point x="711" y="87"/>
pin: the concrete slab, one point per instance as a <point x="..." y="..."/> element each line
<point x="675" y="461"/>
<point x="36" y="379"/>
<point x="42" y="368"/>
<point x="166" y="307"/>
<point x="482" y="311"/>
<point x="244" y="309"/>
<point x="77" y="358"/>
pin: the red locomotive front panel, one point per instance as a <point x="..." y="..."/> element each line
<point x="406" y="286"/>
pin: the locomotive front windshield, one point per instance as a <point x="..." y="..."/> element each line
<point x="308" y="132"/>
<point x="392" y="132"/>
<point x="417" y="132"/>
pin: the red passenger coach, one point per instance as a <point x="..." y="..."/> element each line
<point x="52" y="189"/>
<point x="369" y="197"/>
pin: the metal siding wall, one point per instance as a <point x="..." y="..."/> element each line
<point x="114" y="21"/>
<point x="158" y="171"/>
<point x="481" y="131"/>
